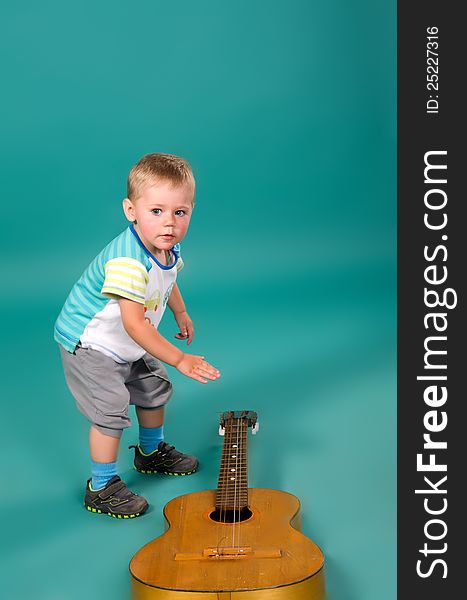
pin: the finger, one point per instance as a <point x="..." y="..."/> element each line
<point x="209" y="367"/>
<point x="180" y="336"/>
<point x="198" y="377"/>
<point x="211" y="374"/>
<point x="190" y="332"/>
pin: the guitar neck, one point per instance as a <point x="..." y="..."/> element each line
<point x="232" y="488"/>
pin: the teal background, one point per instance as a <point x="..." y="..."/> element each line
<point x="286" y="111"/>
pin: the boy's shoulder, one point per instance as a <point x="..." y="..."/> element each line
<point x="125" y="245"/>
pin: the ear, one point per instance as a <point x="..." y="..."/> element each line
<point x="129" y="210"/>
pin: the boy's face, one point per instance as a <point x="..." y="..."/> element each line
<point x="162" y="213"/>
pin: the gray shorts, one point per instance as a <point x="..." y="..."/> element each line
<point x="103" y="389"/>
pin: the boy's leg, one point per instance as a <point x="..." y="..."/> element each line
<point x="151" y="428"/>
<point x="104" y="452"/>
<point x="104" y="448"/>
<point x="98" y="386"/>
<point x="150" y="389"/>
<point x="106" y="492"/>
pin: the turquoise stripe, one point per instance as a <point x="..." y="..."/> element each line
<point x="87" y="303"/>
<point x="127" y="246"/>
<point x="72" y="328"/>
<point x="79" y="302"/>
<point x="100" y="259"/>
<point x="120" y="247"/>
<point x="68" y="313"/>
<point x="64" y="341"/>
<point x="94" y="278"/>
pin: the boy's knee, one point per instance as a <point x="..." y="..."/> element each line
<point x="153" y="391"/>
<point x="166" y="392"/>
<point x="116" y="433"/>
<point x="112" y="423"/>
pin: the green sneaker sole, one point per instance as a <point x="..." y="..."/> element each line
<point x="98" y="510"/>
<point x="147" y="472"/>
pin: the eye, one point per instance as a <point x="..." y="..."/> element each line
<point x="180" y="213"/>
<point x="156" y="211"/>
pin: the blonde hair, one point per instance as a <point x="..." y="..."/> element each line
<point x="156" y="167"/>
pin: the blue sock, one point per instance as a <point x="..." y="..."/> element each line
<point x="150" y="438"/>
<point x="102" y="473"/>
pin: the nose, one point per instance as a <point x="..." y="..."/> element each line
<point x="169" y="220"/>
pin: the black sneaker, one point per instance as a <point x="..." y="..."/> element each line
<point x="115" y="499"/>
<point x="164" y="460"/>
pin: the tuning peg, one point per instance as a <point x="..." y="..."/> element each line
<point x="221" y="430"/>
<point x="255" y="428"/>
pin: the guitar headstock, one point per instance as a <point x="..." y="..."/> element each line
<point x="248" y="416"/>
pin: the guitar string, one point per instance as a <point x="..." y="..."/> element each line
<point x="243" y="463"/>
<point x="223" y="491"/>
<point x="240" y="474"/>
<point x="228" y="450"/>
<point x="227" y="466"/>
<point x="240" y="479"/>
<point x="245" y="466"/>
<point x="238" y="489"/>
<point x="218" y="498"/>
<point x="244" y="471"/>
<point x="235" y="484"/>
<point x="220" y="487"/>
<point x="231" y="450"/>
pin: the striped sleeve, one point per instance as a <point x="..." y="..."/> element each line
<point x="125" y="278"/>
<point x="180" y="263"/>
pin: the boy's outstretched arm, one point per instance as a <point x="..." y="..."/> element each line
<point x="152" y="341"/>
<point x="177" y="306"/>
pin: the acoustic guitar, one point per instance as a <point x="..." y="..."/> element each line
<point x="232" y="543"/>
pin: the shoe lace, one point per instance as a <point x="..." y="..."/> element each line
<point x="168" y="450"/>
<point x="120" y="491"/>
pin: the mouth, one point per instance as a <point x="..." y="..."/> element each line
<point x="168" y="237"/>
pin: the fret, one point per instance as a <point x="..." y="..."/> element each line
<point x="232" y="498"/>
<point x="231" y="484"/>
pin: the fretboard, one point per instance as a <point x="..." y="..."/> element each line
<point x="232" y="488"/>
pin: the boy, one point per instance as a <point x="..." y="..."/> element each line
<point x="109" y="343"/>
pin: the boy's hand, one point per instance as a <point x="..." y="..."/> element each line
<point x="197" y="368"/>
<point x="186" y="326"/>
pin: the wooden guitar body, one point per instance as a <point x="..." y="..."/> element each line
<point x="265" y="557"/>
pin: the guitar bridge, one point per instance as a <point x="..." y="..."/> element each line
<point x="229" y="554"/>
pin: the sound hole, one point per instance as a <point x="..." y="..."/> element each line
<point x="230" y="516"/>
